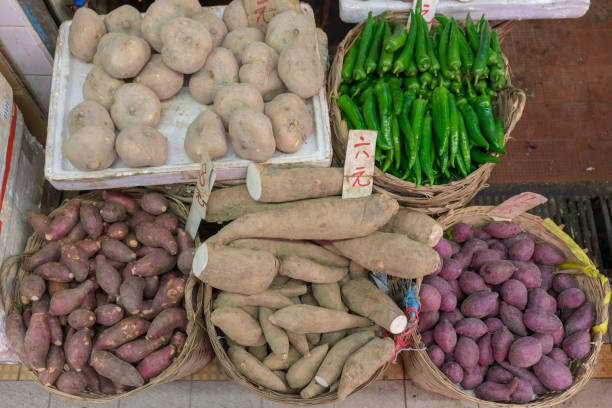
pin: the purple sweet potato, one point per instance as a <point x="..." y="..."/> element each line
<point x="540" y="321"/>
<point x="471" y="282"/>
<point x="71" y="382"/>
<point x="81" y="319"/>
<point x="39" y="222"/>
<point x="168" y="319"/>
<point x="525" y="352"/>
<point x="496" y="245"/>
<point x="548" y="254"/>
<point x="138" y="349"/>
<point x="497" y="272"/>
<point x="578" y="344"/>
<point x="453" y="316"/>
<point x="128" y="202"/>
<point x="91" y="220"/>
<point x="112" y="367"/>
<point x="445" y="336"/>
<point x="108" y="314"/>
<point x="471" y="327"/>
<point x="500" y="343"/>
<point x="106" y="386"/>
<point x="455" y="247"/>
<point x="76" y="260"/>
<point x="558" y="355"/>
<point x="480" y="233"/>
<point x="485" y="350"/>
<point x="558" y="336"/>
<point x="448" y="299"/>
<point x="168" y="221"/>
<point x="528" y="273"/>
<point x="466" y="352"/>
<point x="156" y="236"/>
<point x="428" y="320"/>
<point x="77" y="233"/>
<point x="430" y="298"/>
<point x="451" y="269"/>
<point x="523" y="393"/>
<point x="491" y="391"/>
<point x="31" y="288"/>
<point x="64" y="221"/>
<point x="15" y="333"/>
<point x="582" y="319"/>
<point x="498" y="374"/>
<point x="474" y="245"/>
<point x="113" y="212"/>
<point x="473" y="377"/>
<point x="54" y="366"/>
<point x="570" y="298"/>
<point x="185" y="260"/>
<point x="547" y="276"/>
<point x="427" y="337"/>
<point x="436" y="355"/>
<point x="66" y="301"/>
<point x="493" y="323"/>
<point x="54" y="271"/>
<point x="131" y="294"/>
<point x="118" y="230"/>
<point x="149" y="311"/>
<point x="156" y="362"/>
<point x="183" y="240"/>
<point x="526" y="375"/>
<point x="151" y="286"/>
<point x="562" y="281"/>
<point x="483" y="256"/>
<point x="462" y="258"/>
<point x="154" y="203"/>
<point x="508" y="242"/>
<point x="540" y="299"/>
<point x="453" y="371"/>
<point x="512" y="318"/>
<point x="461" y="232"/>
<point x="37" y="341"/>
<point x="170" y="293"/>
<point x="521" y="250"/>
<point x="480" y="304"/>
<point x="77" y="349"/>
<point x="546" y="341"/>
<point x="178" y="340"/>
<point x="117" y="251"/>
<point x="443" y="248"/>
<point x="120" y="333"/>
<point x="49" y="253"/>
<point x="502" y="229"/>
<point x="108" y="277"/>
<point x="514" y="292"/>
<point x="157" y="262"/>
<point x="553" y="375"/>
<point x="56" y="333"/>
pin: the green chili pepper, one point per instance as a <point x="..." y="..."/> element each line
<point x="418" y="8"/>
<point x="442" y="20"/>
<point x="444" y="162"/>
<point x="388" y="161"/>
<point x="397" y="143"/>
<point x="481" y="87"/>
<point x="464" y="142"/>
<point x="426" y="149"/>
<point x="383" y="101"/>
<point x="480" y="24"/>
<point x="499" y="129"/>
<point x="378" y="154"/>
<point x="386" y="58"/>
<point x="478" y="156"/>
<point x="472" y="35"/>
<point x="417" y="116"/>
<point x="403" y="59"/>
<point x="343" y="89"/>
<point x="496" y="47"/>
<point x="374" y="52"/>
<point x="359" y="72"/>
<point x="397" y="95"/>
<point x="454" y="128"/>
<point x="409" y="97"/>
<point x="370" y="115"/>
<point x="435" y="64"/>
<point x="351" y="110"/>
<point x="480" y="61"/>
<point x="484" y="111"/>
<point x="412" y="84"/>
<point x="416" y="171"/>
<point x="499" y="84"/>
<point x="397" y="39"/>
<point x="404" y="124"/>
<point x="412" y="69"/>
<point x="349" y="61"/>
<point x="453" y="57"/>
<point x="455" y="87"/>
<point x="422" y="59"/>
<point x="427" y="93"/>
<point x="466" y="54"/>
<point x="471" y="123"/>
<point x="490" y="92"/>
<point x="496" y="74"/>
<point x="461" y="166"/>
<point x="442" y="51"/>
<point x="441" y="112"/>
<point x="425" y="79"/>
<point x="443" y="82"/>
<point x="434" y="82"/>
<point x="470" y="94"/>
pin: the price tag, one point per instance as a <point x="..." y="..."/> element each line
<point x="359" y="164"/>
<point x="260" y="12"/>
<point x="428" y="10"/>
<point x="203" y="187"/>
<point x="516" y="205"/>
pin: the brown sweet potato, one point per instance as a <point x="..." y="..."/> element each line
<point x="37" y="341"/>
<point x="31" y="288"/>
<point x="185" y="260"/>
<point x="39" y="222"/>
<point x="108" y="277"/>
<point x="56" y="332"/>
<point x="154" y="203"/>
<point x="77" y="349"/>
<point x="81" y="319"/>
<point x="54" y="271"/>
<point x="183" y="240"/>
<point x="178" y="340"/>
<point x="67" y="300"/>
<point x="168" y="319"/>
<point x="131" y="294"/>
<point x="116" y="197"/>
<point x="51" y="252"/>
<point x="71" y="382"/>
<point x="117" y="251"/>
<point x="76" y="260"/>
<point x="304" y="370"/>
<point x="138" y="349"/>
<point x="64" y="221"/>
<point x="112" y="367"/>
<point x="54" y="366"/>
<point x="170" y="293"/>
<point x="313" y="319"/>
<point x="156" y="236"/>
<point x="155" y="363"/>
<point x="118" y="230"/>
<point x="15" y="333"/>
<point x="238" y="326"/>
<point x="168" y="221"/>
<point x="139" y="217"/>
<point x="157" y="262"/>
<point x="151" y="286"/>
<point x="113" y="212"/>
<point x="306" y="270"/>
<point x="120" y="333"/>
<point x="108" y="314"/>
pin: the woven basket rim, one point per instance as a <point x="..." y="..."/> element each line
<point x="197" y="351"/>
<point x="431" y="378"/>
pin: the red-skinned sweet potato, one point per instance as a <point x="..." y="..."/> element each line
<point x="56" y="333"/>
<point x="37" y="341"/>
<point x="139" y="217"/>
<point x="156" y="362"/>
<point x="131" y="294"/>
<point x="156" y="236"/>
<point x="128" y="202"/>
<point x="112" y="367"/>
<point x="171" y="291"/>
<point x="71" y="382"/>
<point x="448" y="299"/>
<point x="138" y="349"/>
<point x="77" y="233"/>
<point x="91" y="220"/>
<point x="108" y="277"/>
<point x="54" y="271"/>
<point x="92" y="378"/>
<point x="528" y="273"/>
<point x="67" y="300"/>
<point x="117" y="251"/>
<point x="151" y="286"/>
<point x="31" y="288"/>
<point x="185" y="260"/>
<point x="89" y="246"/>
<point x="178" y="340"/>
<point x="500" y="343"/>
<point x="443" y="248"/>
<point x="451" y="269"/>
<point x="154" y="203"/>
<point x="436" y="355"/>
<point x="120" y="333"/>
<point x="39" y="222"/>
<point x="54" y="367"/>
<point x="453" y="316"/>
<point x="157" y="262"/>
<point x="81" y="319"/>
<point x="168" y="221"/>
<point x="76" y="260"/>
<point x="49" y="253"/>
<point x="553" y="375"/>
<point x="183" y="240"/>
<point x="113" y="212"/>
<point x="131" y="241"/>
<point x="64" y="221"/>
<point x="118" y="230"/>
<point x="108" y="314"/>
<point x="77" y="349"/>
<point x="168" y="319"/>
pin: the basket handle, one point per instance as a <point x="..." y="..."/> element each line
<point x="7" y="297"/>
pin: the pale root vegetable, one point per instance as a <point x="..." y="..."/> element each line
<point x="160" y="78"/>
<point x="135" y="104"/>
<point x="275" y="185"/>
<point x="260" y="53"/>
<point x="166" y="321"/>
<point x="491" y="391"/>
<point x="453" y="371"/>
<point x="235" y="270"/>
<point x="251" y="134"/>
<point x="254" y="370"/>
<point x="541" y="322"/>
<point x="313" y="339"/>
<point x="525" y="352"/>
<point x="299" y="341"/>
<point x="185" y="45"/>
<point x="205" y="134"/>
<point x="233" y="96"/>
<point x="328" y="295"/>
<point x="582" y="319"/>
<point x="514" y="293"/>
<point x="89" y="113"/>
<point x="267" y="299"/>
<point x="15" y="330"/>
<point x="54" y="271"/>
<point x="215" y="26"/>
<point x="512" y="317"/>
<point x="471" y="327"/>
<point x="124" y="19"/>
<point x="105" y="41"/>
<point x="500" y="343"/>
<point x="260" y="352"/>
<point x="238" y="326"/>
<point x="363" y="363"/>
<point x="485" y="351"/>
<point x="124" y="56"/>
<point x="331" y="367"/>
<point x="160" y="13"/>
<point x="37" y="341"/>
<point x="31" y="288"/>
<point x="392" y="254"/>
<point x="430" y="298"/>
<point x="85" y="32"/>
<point x="156" y="236"/>
<point x="66" y="301"/>
<point x="155" y="363"/>
<point x="81" y="318"/>
<point x="331" y="338"/>
<point x="480" y="304"/>
<point x="304" y="370"/>
<point x="71" y="382"/>
<point x="364" y="298"/>
<point x="311" y="390"/>
<point x="78" y="348"/>
<point x="416" y="226"/>
<point x="289" y="26"/>
<point x="237" y="40"/>
<point x="263" y="78"/>
<point x="142" y="146"/>
<point x="120" y="333"/>
<point x="108" y="314"/>
<point x="54" y="366"/>
<point x="554" y="375"/>
<point x="304" y="269"/>
<point x="234" y="15"/>
<point x="299" y="67"/>
<point x="313" y="319"/>
<point x="275" y="336"/>
<point x="90" y="148"/>
<point x="357" y="271"/>
<point x="274" y="362"/>
<point x="112" y="367"/>
<point x="219" y="70"/>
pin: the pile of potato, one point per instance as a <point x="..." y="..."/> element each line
<point x="103" y="296"/>
<point x="255" y="81"/>
<point x="498" y="320"/>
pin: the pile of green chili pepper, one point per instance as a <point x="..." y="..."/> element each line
<point x="428" y="96"/>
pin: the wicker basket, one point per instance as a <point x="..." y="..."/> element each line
<point x="508" y="106"/>
<point x="195" y="354"/>
<point x="230" y="370"/>
<point x="423" y="372"/>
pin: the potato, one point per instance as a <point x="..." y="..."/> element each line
<point x="427" y="338"/>
<point x="545" y="340"/>
<point x="578" y="344"/>
<point x="289" y="26"/>
<point x="548" y="254"/>
<point x="161" y="79"/>
<point x="448" y="300"/>
<point x="430" y="298"/>
<point x="235" y="96"/>
<point x="291" y="121"/>
<point x="251" y="134"/>
<point x="523" y="392"/>
<point x="471" y="327"/>
<point x="142" y="146"/>
<point x="162" y="11"/>
<point x="540" y="321"/>
<point x="445" y="336"/>
<point x="554" y="375"/>
<point x="514" y="293"/>
<point x="453" y="371"/>
<point x="89" y="113"/>
<point x="91" y="148"/>
<point x="528" y="273"/>
<point x="461" y="232"/>
<point x="497" y="245"/>
<point x="215" y="26"/>
<point x="220" y="69"/>
<point x="299" y="67"/>
<point x="135" y="104"/>
<point x="125" y="19"/>
<point x="124" y="56"/>
<point x="512" y="318"/>
<point x="263" y="78"/>
<point x="206" y="132"/>
<point x="234" y="15"/>
<point x="100" y="87"/>
<point x="466" y="352"/>
<point x="185" y="45"/>
<point x="85" y="32"/>
<point x="237" y="40"/>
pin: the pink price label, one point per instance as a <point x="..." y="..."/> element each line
<point x="516" y="205"/>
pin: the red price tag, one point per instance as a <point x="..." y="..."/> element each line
<point x="516" y="205"/>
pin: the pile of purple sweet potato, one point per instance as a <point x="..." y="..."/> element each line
<point x="498" y="320"/>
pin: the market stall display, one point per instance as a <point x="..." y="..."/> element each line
<point x="98" y="310"/>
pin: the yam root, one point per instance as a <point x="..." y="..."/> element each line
<point x="275" y="336"/>
<point x="331" y="367"/>
<point x="254" y="370"/>
<point x="302" y="249"/>
<point x="299" y="341"/>
<point x="310" y="271"/>
<point x="238" y="325"/>
<point x="313" y="319"/>
<point x="416" y="226"/>
<point x="328" y="295"/>
<point x="268" y="298"/>
<point x="304" y="370"/>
